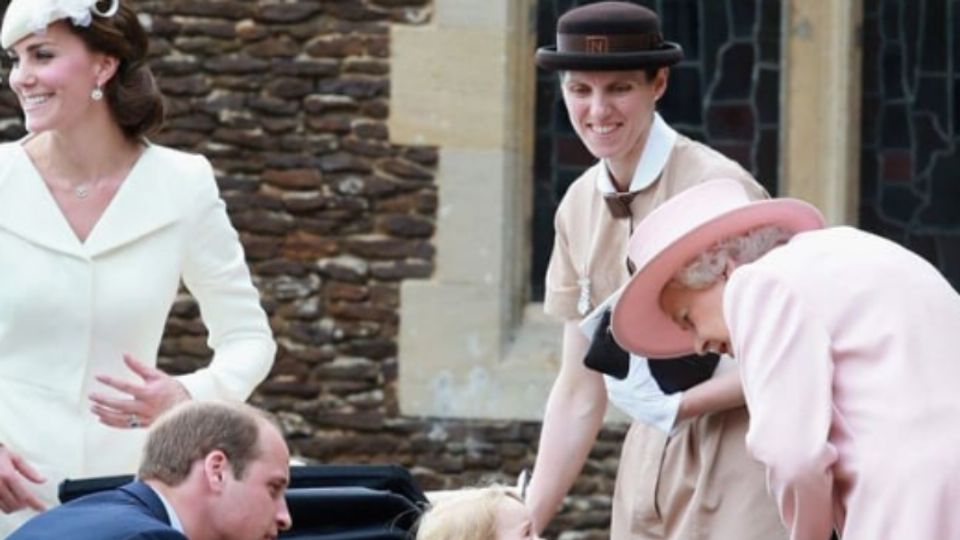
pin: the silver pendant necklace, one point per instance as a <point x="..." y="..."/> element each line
<point x="583" y="304"/>
<point x="82" y="191"/>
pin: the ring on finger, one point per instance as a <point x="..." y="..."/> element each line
<point x="133" y="420"/>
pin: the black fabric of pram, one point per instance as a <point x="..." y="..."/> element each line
<point x="327" y="502"/>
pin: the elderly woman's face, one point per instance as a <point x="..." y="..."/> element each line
<point x="612" y="111"/>
<point x="53" y="74"/>
<point x="699" y="312"/>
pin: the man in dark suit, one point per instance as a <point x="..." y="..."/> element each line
<point x="210" y="471"/>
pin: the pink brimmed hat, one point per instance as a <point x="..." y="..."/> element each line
<point x="672" y="235"/>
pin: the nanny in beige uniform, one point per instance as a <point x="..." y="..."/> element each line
<point x="684" y="472"/>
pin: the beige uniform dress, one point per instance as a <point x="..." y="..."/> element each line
<point x="699" y="483"/>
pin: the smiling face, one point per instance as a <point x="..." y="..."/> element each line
<point x="53" y="74"/>
<point x="253" y="507"/>
<point x="612" y="111"/>
<point x="699" y="312"/>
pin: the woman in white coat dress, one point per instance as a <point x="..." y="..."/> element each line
<point x="97" y="229"/>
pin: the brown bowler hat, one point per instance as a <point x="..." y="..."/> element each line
<point x="609" y="36"/>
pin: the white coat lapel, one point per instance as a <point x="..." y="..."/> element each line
<point x="27" y="209"/>
<point x="142" y="205"/>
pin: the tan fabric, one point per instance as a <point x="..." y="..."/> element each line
<point x="700" y="483"/>
<point x="591" y="243"/>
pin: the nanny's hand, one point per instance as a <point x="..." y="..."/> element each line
<point x="147" y="401"/>
<point x="13" y="494"/>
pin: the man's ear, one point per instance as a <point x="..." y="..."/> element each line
<point x="216" y="467"/>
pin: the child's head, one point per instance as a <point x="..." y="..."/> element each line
<point x="490" y="513"/>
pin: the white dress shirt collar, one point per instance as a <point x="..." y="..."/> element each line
<point x="171" y="513"/>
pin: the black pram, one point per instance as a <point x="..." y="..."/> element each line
<point x="328" y="502"/>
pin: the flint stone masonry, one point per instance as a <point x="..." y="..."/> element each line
<point x="289" y="100"/>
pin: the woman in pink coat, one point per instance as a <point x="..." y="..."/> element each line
<point x="847" y="351"/>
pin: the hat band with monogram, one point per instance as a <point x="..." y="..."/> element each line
<point x="600" y="44"/>
<point x="608" y="36"/>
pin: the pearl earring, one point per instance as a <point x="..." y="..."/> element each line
<point x="97" y="93"/>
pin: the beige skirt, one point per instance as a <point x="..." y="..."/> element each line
<point x="699" y="484"/>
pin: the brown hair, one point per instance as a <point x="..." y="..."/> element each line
<point x="132" y="94"/>
<point x="650" y="73"/>
<point x="190" y="431"/>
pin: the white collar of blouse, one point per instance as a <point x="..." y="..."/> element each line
<point x="660" y="143"/>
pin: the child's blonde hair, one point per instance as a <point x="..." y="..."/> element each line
<point x="469" y="514"/>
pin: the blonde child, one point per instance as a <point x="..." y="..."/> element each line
<point x="488" y="513"/>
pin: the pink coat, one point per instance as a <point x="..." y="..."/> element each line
<point x="848" y="345"/>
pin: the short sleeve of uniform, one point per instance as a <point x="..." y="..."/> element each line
<point x="561" y="291"/>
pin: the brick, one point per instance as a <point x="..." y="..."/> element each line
<point x="278" y="47"/>
<point x="263" y="222"/>
<point x="193" y="85"/>
<point x="356" y="87"/>
<point x="397" y="270"/>
<point x="289" y="87"/>
<point x="407" y="226"/>
<point x="294" y="178"/>
<point x="337" y="46"/>
<point x="382" y="247"/>
<point x="406" y="169"/>
<point x="319" y="104"/>
<point x="236" y="65"/>
<point x="287" y="12"/>
<point x="273" y="106"/>
<point x="340" y="162"/>
<point x="342" y="291"/>
<point x="214" y="29"/>
<point x="303" y="246"/>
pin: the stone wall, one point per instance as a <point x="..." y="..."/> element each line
<point x="289" y="101"/>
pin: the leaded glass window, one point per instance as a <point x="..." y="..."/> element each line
<point x="910" y="159"/>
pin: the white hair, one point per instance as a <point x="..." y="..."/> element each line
<point x="705" y="269"/>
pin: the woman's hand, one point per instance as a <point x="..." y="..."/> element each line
<point x="722" y="392"/>
<point x="13" y="494"/>
<point x="147" y="401"/>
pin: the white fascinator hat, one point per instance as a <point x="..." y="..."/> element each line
<point x="25" y="17"/>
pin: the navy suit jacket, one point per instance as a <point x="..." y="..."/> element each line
<point x="130" y="512"/>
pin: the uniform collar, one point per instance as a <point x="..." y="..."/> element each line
<point x="171" y="511"/>
<point x="656" y="151"/>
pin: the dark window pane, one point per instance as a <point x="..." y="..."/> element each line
<point x="769" y="36"/>
<point x="910" y="189"/>
<point x="744" y="18"/>
<point x="736" y="78"/>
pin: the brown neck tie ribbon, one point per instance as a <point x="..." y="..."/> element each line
<point x="619" y="203"/>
